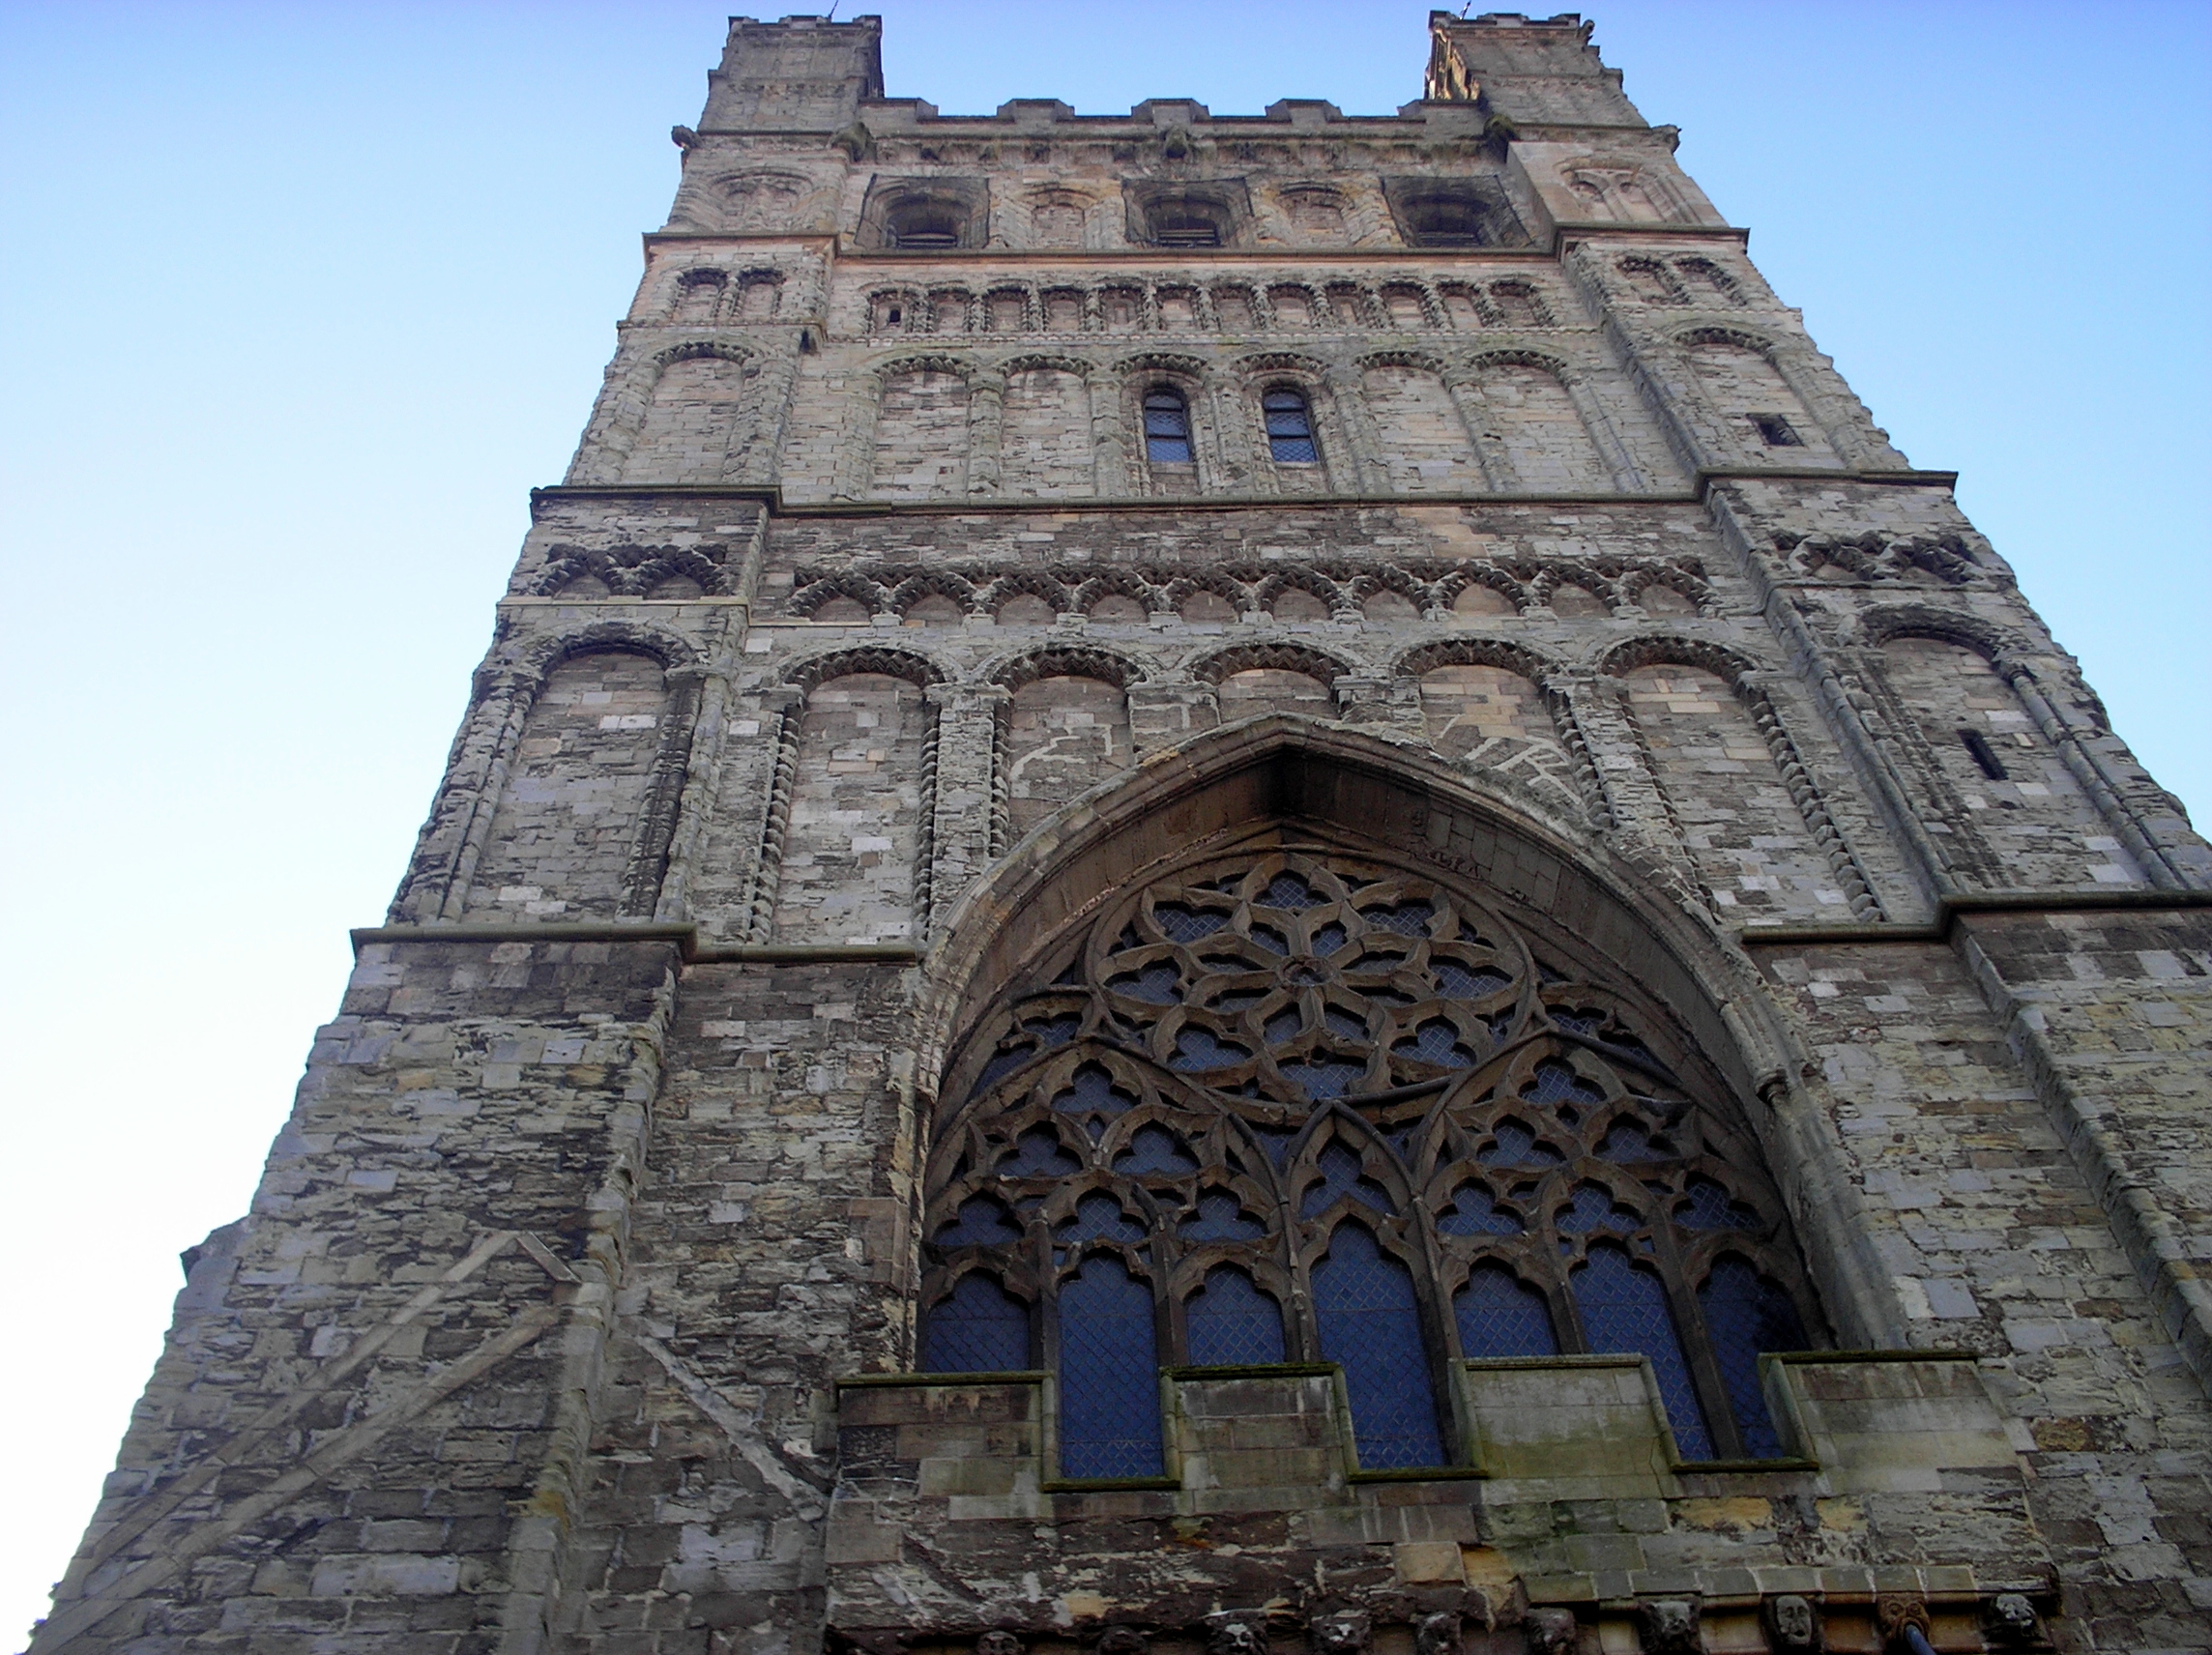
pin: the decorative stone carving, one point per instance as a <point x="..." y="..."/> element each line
<point x="1342" y="1632"/>
<point x="998" y="1641"/>
<point x="1670" y="1626"/>
<point x="2012" y="1620"/>
<point x="1236" y="1635"/>
<point x="1902" y="1623"/>
<point x="1123" y="1641"/>
<point x="1551" y="1632"/>
<point x="1793" y="1622"/>
<point x="1438" y="1634"/>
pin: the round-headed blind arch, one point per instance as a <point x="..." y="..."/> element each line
<point x="1295" y="1103"/>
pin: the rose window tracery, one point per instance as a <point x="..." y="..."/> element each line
<point x="1292" y="1104"/>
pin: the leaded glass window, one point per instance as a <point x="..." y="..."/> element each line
<point x="1167" y="427"/>
<point x="1289" y="428"/>
<point x="1296" y="1104"/>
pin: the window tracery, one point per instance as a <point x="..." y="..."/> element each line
<point x="1295" y="1104"/>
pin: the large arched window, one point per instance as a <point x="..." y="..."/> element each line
<point x="1296" y="1104"/>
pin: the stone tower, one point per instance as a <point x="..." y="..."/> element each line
<point x="1224" y="885"/>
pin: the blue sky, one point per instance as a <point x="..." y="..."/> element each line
<point x="298" y="301"/>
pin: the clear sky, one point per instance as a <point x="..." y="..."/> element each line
<point x="298" y="301"/>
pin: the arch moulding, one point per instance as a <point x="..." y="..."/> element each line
<point x="1380" y="795"/>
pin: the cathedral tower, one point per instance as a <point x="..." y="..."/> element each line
<point x="1223" y="885"/>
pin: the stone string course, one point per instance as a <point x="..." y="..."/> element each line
<point x="868" y="646"/>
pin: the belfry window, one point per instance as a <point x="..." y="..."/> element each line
<point x="1293" y="1105"/>
<point x="1289" y="428"/>
<point x="1187" y="221"/>
<point x="924" y="226"/>
<point x="1167" y="427"/>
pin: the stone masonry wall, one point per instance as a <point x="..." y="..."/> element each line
<point x="869" y="644"/>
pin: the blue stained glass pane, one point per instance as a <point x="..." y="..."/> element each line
<point x="1499" y="1315"/>
<point x="1473" y="1213"/>
<point x="1322" y="1076"/>
<point x="1187" y="924"/>
<point x="1364" y="1302"/>
<point x="1275" y="1140"/>
<point x="1282" y="1026"/>
<point x="1627" y="1142"/>
<point x="982" y="1223"/>
<point x="1155" y="1149"/>
<point x="1091" y="1091"/>
<point x="1003" y="1064"/>
<point x="979" y="1328"/>
<point x="1289" y="429"/>
<point x="1100" y="1216"/>
<point x="1709" y="1208"/>
<point x="1271" y="940"/>
<point x="1555" y="1082"/>
<point x="1232" y="1321"/>
<point x="1109" y="1374"/>
<point x="1221" y="1217"/>
<point x="1435" y="1041"/>
<point x="1198" y="1048"/>
<point x="1329" y="938"/>
<point x="1747" y="1315"/>
<point x="1287" y="890"/>
<point x="1341" y="1176"/>
<point x="1459" y="982"/>
<point x="1057" y="1031"/>
<point x="1517" y="1146"/>
<point x="1156" y="984"/>
<point x="1038" y="1154"/>
<point x="1593" y="1209"/>
<point x="1412" y="918"/>
<point x="1625" y="1309"/>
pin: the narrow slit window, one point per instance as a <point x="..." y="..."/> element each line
<point x="1167" y="428"/>
<point x="1289" y="428"/>
<point x="1984" y="755"/>
<point x="1776" y="432"/>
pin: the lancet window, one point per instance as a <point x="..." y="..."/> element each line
<point x="1294" y="1104"/>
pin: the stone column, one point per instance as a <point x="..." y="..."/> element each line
<point x="960" y="810"/>
<point x="987" y="419"/>
<point x="1367" y="476"/>
<point x="790" y="704"/>
<point x="756" y="456"/>
<point x="1108" y="450"/>
<point x="1490" y="455"/>
<point x="460" y="821"/>
<point x="701" y="776"/>
<point x="1627" y="476"/>
<point x="2103" y="792"/>
<point x="857" y="456"/>
<point x="1642" y="820"/>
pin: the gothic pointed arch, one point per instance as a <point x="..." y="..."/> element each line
<point x="1302" y="1084"/>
